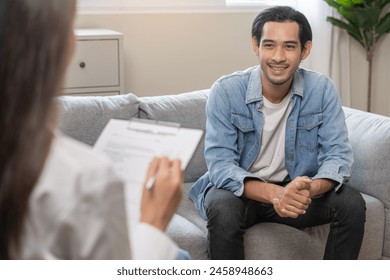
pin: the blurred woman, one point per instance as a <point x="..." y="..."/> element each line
<point x="57" y="199"/>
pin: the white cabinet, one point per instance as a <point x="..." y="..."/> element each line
<point x="97" y="65"/>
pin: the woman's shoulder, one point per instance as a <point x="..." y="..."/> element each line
<point x="77" y="155"/>
<point x="74" y="189"/>
<point x="73" y="169"/>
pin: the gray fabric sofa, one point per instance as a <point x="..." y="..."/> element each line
<point x="83" y="118"/>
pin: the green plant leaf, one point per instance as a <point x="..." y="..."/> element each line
<point x="358" y="38"/>
<point x="383" y="26"/>
<point x="362" y="19"/>
<point x="338" y="23"/>
<point x="367" y="17"/>
<point x="349" y="14"/>
<point x="369" y="38"/>
<point x="383" y="3"/>
<point x="345" y="3"/>
<point x="349" y="3"/>
<point x="333" y="4"/>
<point x="351" y="30"/>
<point x="357" y="2"/>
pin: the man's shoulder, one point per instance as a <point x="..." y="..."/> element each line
<point x="309" y="74"/>
<point x="237" y="76"/>
<point x="234" y="85"/>
<point x="315" y="82"/>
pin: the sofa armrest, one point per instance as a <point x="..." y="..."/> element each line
<point x="369" y="135"/>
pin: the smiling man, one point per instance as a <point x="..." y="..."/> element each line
<point x="277" y="148"/>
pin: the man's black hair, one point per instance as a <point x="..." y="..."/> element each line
<point x="282" y="14"/>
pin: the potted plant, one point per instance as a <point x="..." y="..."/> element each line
<point x="366" y="21"/>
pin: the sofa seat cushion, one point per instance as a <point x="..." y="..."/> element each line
<point x="188" y="237"/>
<point x="84" y="117"/>
<point x="273" y="241"/>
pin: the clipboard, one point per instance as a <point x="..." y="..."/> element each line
<point x="131" y="145"/>
<point x="153" y="126"/>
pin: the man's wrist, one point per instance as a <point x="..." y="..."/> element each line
<point x="261" y="191"/>
<point x="321" y="186"/>
<point x="315" y="190"/>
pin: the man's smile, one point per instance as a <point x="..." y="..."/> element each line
<point x="278" y="68"/>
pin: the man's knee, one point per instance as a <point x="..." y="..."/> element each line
<point x="352" y="205"/>
<point x="224" y="205"/>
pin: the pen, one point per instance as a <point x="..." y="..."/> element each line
<point x="150" y="182"/>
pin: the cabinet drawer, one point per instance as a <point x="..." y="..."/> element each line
<point x="95" y="64"/>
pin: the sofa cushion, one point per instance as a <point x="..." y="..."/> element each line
<point x="83" y="118"/>
<point x="370" y="138"/>
<point x="188" y="109"/>
<point x="188" y="237"/>
<point x="271" y="240"/>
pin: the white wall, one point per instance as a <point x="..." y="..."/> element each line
<point x="174" y="53"/>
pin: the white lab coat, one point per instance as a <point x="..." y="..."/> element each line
<point x="77" y="211"/>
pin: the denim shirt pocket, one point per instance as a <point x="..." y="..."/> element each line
<point x="307" y="131"/>
<point x="245" y="130"/>
<point x="242" y="122"/>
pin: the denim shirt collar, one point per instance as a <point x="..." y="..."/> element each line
<point x="254" y="91"/>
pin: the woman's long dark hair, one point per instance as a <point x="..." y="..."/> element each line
<point x="34" y="49"/>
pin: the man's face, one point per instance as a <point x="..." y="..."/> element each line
<point x="280" y="52"/>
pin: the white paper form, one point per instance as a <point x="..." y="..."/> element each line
<point x="131" y="146"/>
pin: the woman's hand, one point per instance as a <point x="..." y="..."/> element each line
<point x="160" y="201"/>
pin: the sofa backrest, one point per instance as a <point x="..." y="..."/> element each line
<point x="188" y="109"/>
<point x="84" y="117"/>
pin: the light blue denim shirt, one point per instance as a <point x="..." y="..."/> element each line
<point x="316" y="144"/>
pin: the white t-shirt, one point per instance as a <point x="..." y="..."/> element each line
<point x="77" y="211"/>
<point x="270" y="163"/>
